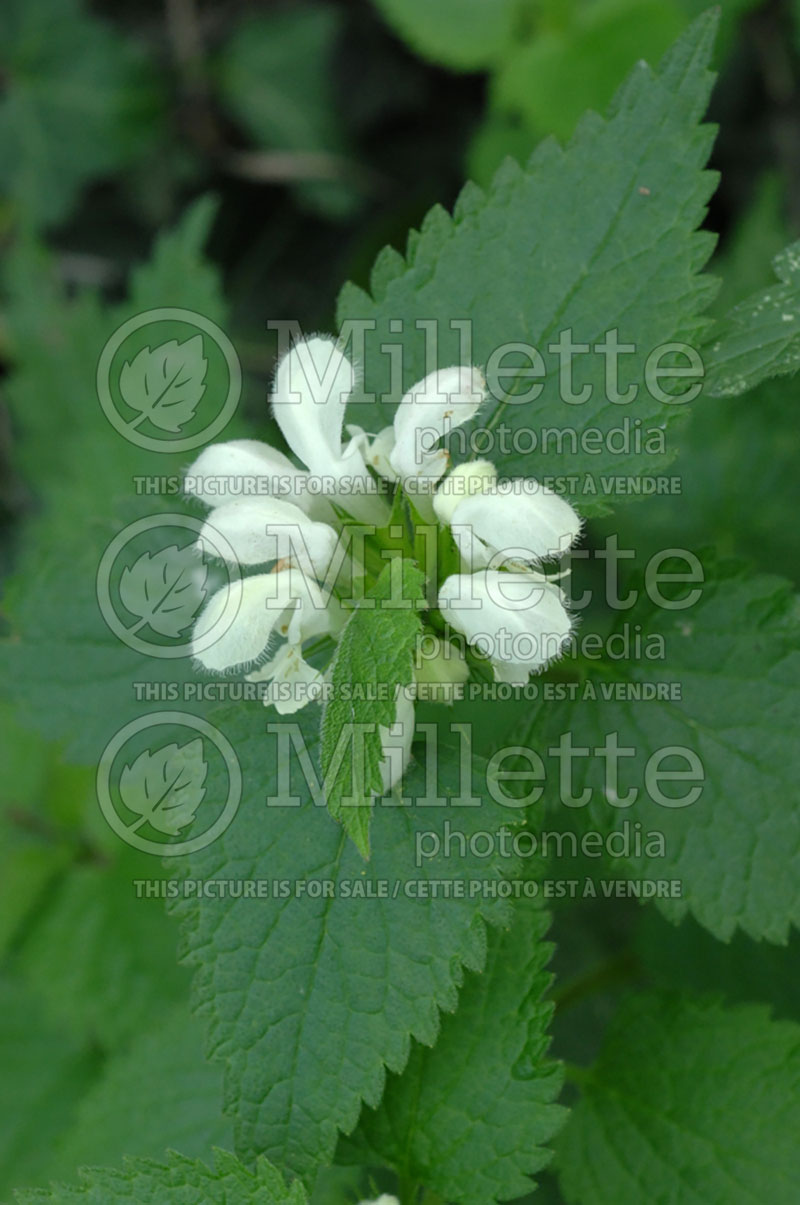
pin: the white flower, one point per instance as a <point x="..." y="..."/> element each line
<point x="313" y="382"/>
<point x="312" y="385"/>
<point x="245" y="467"/>
<point x="396" y="741"/>
<point x="261" y="530"/>
<point x="285" y="604"/>
<point x="383" y="1199"/>
<point x="266" y="509"/>
<point x="518" y="620"/>
<point x="475" y="477"/>
<point x="514" y="523"/>
<point x="442" y="401"/>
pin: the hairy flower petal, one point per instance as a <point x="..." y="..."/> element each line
<point x="286" y="603"/>
<point x="242" y="468"/>
<point x="526" y="526"/>
<point x="519" y="622"/>
<point x="261" y="530"/>
<point x="312" y="385"/>
<point x="439" y="403"/>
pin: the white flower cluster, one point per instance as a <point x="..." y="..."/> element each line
<point x="272" y="512"/>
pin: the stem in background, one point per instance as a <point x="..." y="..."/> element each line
<point x="205" y="129"/>
<point x="187" y="42"/>
<point x="575" y="1074"/>
<point x="408" y="1190"/>
<point x="278" y="167"/>
<point x="619" y="969"/>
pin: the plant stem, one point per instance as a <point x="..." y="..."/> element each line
<point x="408" y="1190"/>
<point x="614" y="970"/>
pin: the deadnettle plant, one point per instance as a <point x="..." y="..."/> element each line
<point x="292" y="522"/>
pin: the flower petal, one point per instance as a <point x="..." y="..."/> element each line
<point x="377" y="449"/>
<point x="286" y="603"/>
<point x="528" y="526"/>
<point x="468" y="480"/>
<point x="519" y="622"/>
<point x="439" y="403"/>
<point x="440" y="670"/>
<point x="312" y="385"/>
<point x="292" y="681"/>
<point x="242" y="468"/>
<point x="261" y="530"/>
<point x="396" y="743"/>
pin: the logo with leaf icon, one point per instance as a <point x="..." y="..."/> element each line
<point x="165" y="789"/>
<point x="151" y="587"/>
<point x="169" y="380"/>
<point x="164" y="590"/>
<point x="153" y="783"/>
<point x="165" y="384"/>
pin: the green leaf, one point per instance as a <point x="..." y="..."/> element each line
<point x="175" y="1181"/>
<point x="374" y="652"/>
<point x="468" y="1118"/>
<point x="760" y="337"/>
<point x="159" y="1095"/>
<point x="372" y="957"/>
<point x="597" y="237"/>
<point x="45" y="1072"/>
<point x="730" y="663"/>
<point x="77" y="103"/>
<point x="77" y="463"/>
<point x="81" y="685"/>
<point x="101" y="959"/>
<point x="551" y="79"/>
<point x="270" y="73"/>
<point x="738" y="497"/>
<point x="29" y="863"/>
<point x="34" y="848"/>
<point x="688" y="1102"/>
<point x="463" y="34"/>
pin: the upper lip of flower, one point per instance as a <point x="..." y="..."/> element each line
<point x="545" y="617"/>
<point x="531" y="526"/>
<point x="313" y="382"/>
<point x="256" y="531"/>
<point x="444" y="399"/>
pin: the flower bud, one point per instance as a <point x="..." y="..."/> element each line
<point x="465" y="481"/>
<point x="396" y="742"/>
